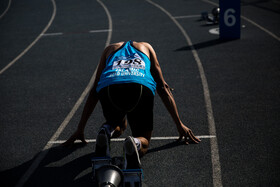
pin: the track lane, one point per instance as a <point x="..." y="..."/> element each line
<point x="45" y="78"/>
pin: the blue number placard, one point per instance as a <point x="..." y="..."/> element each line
<point x="229" y="20"/>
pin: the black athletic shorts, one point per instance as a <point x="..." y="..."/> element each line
<point x="132" y="100"/>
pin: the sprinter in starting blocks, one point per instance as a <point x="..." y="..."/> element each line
<point x="127" y="78"/>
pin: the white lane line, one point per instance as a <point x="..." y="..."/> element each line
<point x="216" y="168"/>
<point x="188" y="16"/>
<point x="250" y="21"/>
<point x="262" y="28"/>
<point x="34" y="42"/>
<point x="97" y="31"/>
<point x="52" y="34"/>
<point x="47" y="147"/>
<point x="6" y="10"/>
<point x="177" y="137"/>
<point x="122" y="139"/>
<point x="210" y="2"/>
<point x="61" y="33"/>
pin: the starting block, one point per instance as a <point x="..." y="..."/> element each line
<point x="109" y="171"/>
<point x="98" y="162"/>
<point x="133" y="177"/>
<point x="211" y="19"/>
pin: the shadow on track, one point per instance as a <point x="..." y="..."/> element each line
<point x="168" y="146"/>
<point x="73" y="173"/>
<point x="203" y="45"/>
<point x="60" y="169"/>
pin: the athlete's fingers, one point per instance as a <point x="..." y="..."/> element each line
<point x="197" y="140"/>
<point x="193" y="138"/>
<point x="186" y="140"/>
<point x="185" y="135"/>
<point x="83" y="140"/>
<point x="68" y="143"/>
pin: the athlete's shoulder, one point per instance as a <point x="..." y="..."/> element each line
<point x="114" y="46"/>
<point x="145" y="47"/>
<point x="111" y="48"/>
<point x="143" y="44"/>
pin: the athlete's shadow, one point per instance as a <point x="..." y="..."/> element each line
<point x="56" y="169"/>
<point x="59" y="169"/>
<point x="166" y="146"/>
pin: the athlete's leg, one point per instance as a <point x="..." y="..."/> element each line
<point x="116" y="100"/>
<point x="141" y="120"/>
<point x="113" y="127"/>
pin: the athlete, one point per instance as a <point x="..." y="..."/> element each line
<point x="127" y="78"/>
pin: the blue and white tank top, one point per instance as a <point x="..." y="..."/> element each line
<point x="127" y="65"/>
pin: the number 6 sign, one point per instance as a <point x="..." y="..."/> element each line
<point x="229" y="19"/>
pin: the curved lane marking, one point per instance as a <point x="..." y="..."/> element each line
<point x="6" y="10"/>
<point x="34" y="42"/>
<point x="216" y="168"/>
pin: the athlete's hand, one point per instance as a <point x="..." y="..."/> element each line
<point x="78" y="135"/>
<point x="187" y="134"/>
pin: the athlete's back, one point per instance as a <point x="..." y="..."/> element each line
<point x="141" y="46"/>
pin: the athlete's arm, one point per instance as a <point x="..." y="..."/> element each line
<point x="166" y="96"/>
<point x="90" y="103"/>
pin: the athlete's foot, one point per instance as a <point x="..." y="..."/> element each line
<point x="132" y="160"/>
<point x="102" y="148"/>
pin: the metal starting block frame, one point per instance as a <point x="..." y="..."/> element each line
<point x="132" y="177"/>
<point x="98" y="162"/>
